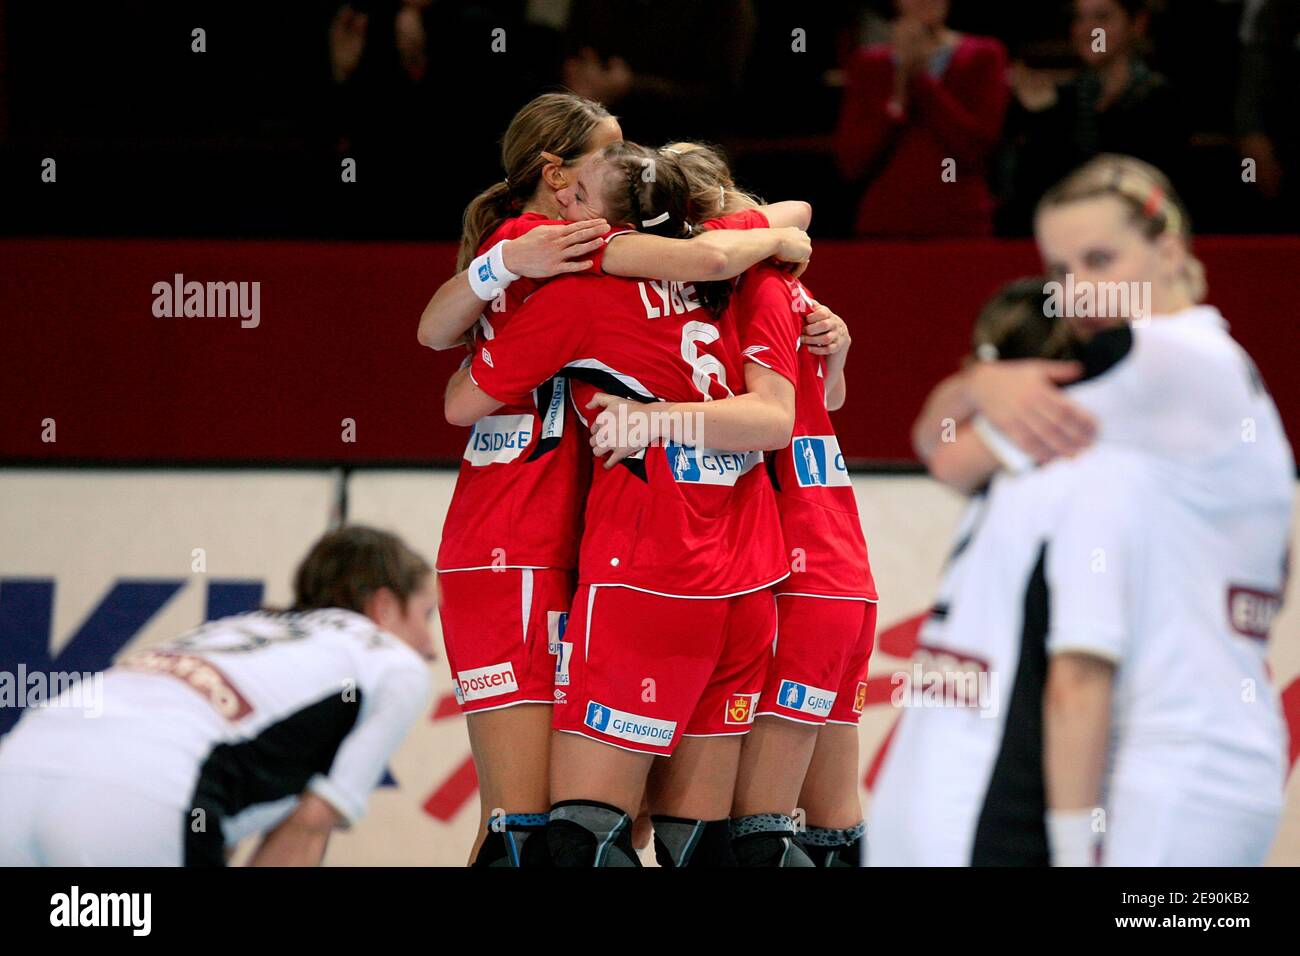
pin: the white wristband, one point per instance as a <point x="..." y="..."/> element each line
<point x="1070" y="838"/>
<point x="1014" y="458"/>
<point x="488" y="274"/>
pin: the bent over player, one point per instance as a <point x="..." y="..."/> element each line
<point x="263" y="722"/>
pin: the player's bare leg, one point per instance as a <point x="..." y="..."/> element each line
<point x="596" y="789"/>
<point x="690" y="796"/>
<point x="773" y="763"/>
<point x="831" y="800"/>
<point x="511" y="755"/>
<point x="698" y="780"/>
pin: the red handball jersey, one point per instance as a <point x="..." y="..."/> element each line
<point x="745" y="219"/>
<point x="819" y="514"/>
<point x="673" y="520"/>
<point x="526" y="468"/>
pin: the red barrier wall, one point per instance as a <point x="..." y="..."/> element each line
<point x="79" y="343"/>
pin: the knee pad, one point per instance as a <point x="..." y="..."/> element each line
<point x="682" y="842"/>
<point x="766" y="840"/>
<point x="827" y="846"/>
<point x="511" y="845"/>
<point x="585" y="833"/>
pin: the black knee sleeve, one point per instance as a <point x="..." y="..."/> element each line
<point x="681" y="842"/>
<point x="766" y="840"/>
<point x="828" y="846"/>
<point x="585" y="833"/>
<point x="510" y="842"/>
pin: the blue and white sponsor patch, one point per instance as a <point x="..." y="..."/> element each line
<point x="633" y="727"/>
<point x="708" y="466"/>
<point x="553" y="414"/>
<point x="819" y="461"/>
<point x="498" y="438"/>
<point x="557" y="622"/>
<point x="563" y="654"/>
<point x="805" y="698"/>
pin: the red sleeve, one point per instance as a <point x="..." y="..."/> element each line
<point x="519" y="225"/>
<point x="515" y="227"/>
<point x="768" y="323"/>
<point x="966" y="114"/>
<point x="865" y="126"/>
<point x="745" y="219"/>
<point x="537" y="342"/>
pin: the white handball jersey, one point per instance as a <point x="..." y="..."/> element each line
<point x="1194" y="709"/>
<point x="1187" y="393"/>
<point x="964" y="765"/>
<point x="239" y="717"/>
<point x="1163" y="549"/>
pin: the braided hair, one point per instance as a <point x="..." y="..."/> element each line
<point x="649" y="192"/>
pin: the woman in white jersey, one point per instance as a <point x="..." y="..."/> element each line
<point x="268" y="722"/>
<point x="1163" y="550"/>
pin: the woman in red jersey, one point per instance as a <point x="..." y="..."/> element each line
<point x="671" y="625"/>
<point x="805" y="735"/>
<point x="509" y="543"/>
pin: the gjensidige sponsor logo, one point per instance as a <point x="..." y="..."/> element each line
<point x="74" y="908"/>
<point x="498" y="439"/>
<point x="819" y="461"/>
<point x="634" y="727"/>
<point x="708" y="466"/>
<point x="805" y="698"/>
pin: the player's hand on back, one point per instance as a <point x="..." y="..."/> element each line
<point x="1022" y="399"/>
<point x="621" y="429"/>
<point x="824" y="332"/>
<point x="552" y="250"/>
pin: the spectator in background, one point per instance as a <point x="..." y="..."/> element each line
<point x="410" y="76"/>
<point x="671" y="69"/>
<point x="928" y="96"/>
<point x="1115" y="104"/>
<point x="1268" y="118"/>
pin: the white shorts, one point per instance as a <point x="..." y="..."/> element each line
<point x="1159" y="826"/>
<point x="48" y="820"/>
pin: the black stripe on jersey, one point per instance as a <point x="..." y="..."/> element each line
<point x="960" y="546"/>
<point x="964" y="543"/>
<point x="277" y="763"/>
<point x="770" y="461"/>
<point x="613" y="386"/>
<point x="636" y="466"/>
<point x="607" y="383"/>
<point x="1011" y="829"/>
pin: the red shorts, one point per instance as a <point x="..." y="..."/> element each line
<point x="819" y="668"/>
<point x="500" y="629"/>
<point x="640" y="671"/>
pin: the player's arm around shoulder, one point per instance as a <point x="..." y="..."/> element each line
<point x="713" y="255"/>
<point x="541" y="252"/>
<point x="788" y="212"/>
